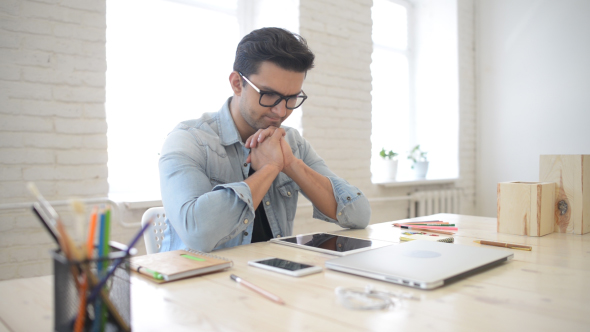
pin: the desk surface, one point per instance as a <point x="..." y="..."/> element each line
<point x="544" y="289"/>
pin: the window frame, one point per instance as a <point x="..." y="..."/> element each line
<point x="410" y="55"/>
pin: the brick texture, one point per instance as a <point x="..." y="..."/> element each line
<point x="467" y="101"/>
<point x="52" y="120"/>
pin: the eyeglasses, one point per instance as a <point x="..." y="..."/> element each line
<point x="272" y="99"/>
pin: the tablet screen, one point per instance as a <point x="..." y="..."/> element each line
<point x="329" y="242"/>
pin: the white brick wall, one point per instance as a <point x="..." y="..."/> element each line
<point x="52" y="119"/>
<point x="53" y="126"/>
<point x="467" y="110"/>
<point x="337" y="120"/>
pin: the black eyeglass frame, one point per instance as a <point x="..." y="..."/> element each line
<point x="286" y="98"/>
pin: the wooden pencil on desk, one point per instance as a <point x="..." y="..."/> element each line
<point x="427" y="230"/>
<point x="437" y="225"/>
<point x="441" y="228"/>
<point x="505" y="245"/>
<point x="398" y="224"/>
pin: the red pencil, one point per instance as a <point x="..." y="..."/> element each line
<point x="442" y="228"/>
<point x="427" y="230"/>
<point x="419" y="222"/>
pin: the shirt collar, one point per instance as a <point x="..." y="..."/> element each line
<point x="228" y="132"/>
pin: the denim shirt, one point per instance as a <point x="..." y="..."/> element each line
<point x="209" y="206"/>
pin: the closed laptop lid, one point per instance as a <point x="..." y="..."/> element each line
<point x="421" y="264"/>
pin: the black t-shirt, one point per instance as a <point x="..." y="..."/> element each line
<point x="261" y="231"/>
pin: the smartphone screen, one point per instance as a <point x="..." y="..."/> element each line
<point x="284" y="264"/>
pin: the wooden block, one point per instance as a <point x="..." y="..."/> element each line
<point x="526" y="208"/>
<point x="571" y="174"/>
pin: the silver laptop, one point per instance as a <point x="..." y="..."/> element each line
<point x="420" y="264"/>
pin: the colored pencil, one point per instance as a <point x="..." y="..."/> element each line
<point x="427" y="230"/>
<point x="257" y="289"/>
<point x="91" y="233"/>
<point x="441" y="225"/>
<point x="420" y="222"/>
<point x="442" y="228"/>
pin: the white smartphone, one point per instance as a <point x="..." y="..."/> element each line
<point x="285" y="266"/>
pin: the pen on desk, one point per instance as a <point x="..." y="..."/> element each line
<point x="150" y="273"/>
<point x="505" y="245"/>
<point x="257" y="289"/>
<point x="428" y="230"/>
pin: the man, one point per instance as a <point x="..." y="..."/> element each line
<point x="233" y="177"/>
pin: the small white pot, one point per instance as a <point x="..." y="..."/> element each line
<point x="420" y="169"/>
<point x="390" y="169"/>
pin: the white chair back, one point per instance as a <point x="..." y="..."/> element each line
<point x="154" y="236"/>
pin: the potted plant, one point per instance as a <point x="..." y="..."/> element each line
<point x="389" y="164"/>
<point x="419" y="162"/>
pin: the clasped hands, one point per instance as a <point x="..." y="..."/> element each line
<point x="269" y="147"/>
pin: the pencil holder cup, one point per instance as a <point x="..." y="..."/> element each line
<point x="98" y="315"/>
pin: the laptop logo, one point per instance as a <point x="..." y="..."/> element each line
<point x="422" y="254"/>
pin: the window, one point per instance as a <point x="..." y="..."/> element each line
<point x="415" y="84"/>
<point x="391" y="72"/>
<point x="169" y="61"/>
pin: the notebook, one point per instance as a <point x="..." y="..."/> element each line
<point x="411" y="236"/>
<point x="421" y="264"/>
<point x="177" y="264"/>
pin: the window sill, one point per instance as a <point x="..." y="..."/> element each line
<point x="132" y="201"/>
<point x="414" y="182"/>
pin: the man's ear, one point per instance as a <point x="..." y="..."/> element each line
<point x="236" y="83"/>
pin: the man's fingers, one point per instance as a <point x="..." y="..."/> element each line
<point x="260" y="135"/>
<point x="278" y="133"/>
<point x="284" y="145"/>
<point x="254" y="138"/>
<point x="266" y="133"/>
<point x="249" y="159"/>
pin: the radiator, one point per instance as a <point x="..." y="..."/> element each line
<point x="423" y="203"/>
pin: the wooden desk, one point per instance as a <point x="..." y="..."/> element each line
<point x="546" y="289"/>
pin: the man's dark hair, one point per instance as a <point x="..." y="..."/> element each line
<point x="279" y="46"/>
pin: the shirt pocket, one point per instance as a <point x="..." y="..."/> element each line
<point x="218" y="167"/>
<point x="289" y="192"/>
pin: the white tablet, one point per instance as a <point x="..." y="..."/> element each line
<point x="330" y="243"/>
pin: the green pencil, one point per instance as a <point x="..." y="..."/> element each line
<point x="105" y="253"/>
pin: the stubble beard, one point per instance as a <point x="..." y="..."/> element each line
<point x="256" y="123"/>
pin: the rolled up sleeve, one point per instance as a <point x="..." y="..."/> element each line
<point x="353" y="208"/>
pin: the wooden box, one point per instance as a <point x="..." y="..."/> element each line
<point x="526" y="208"/>
<point x="571" y="174"/>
